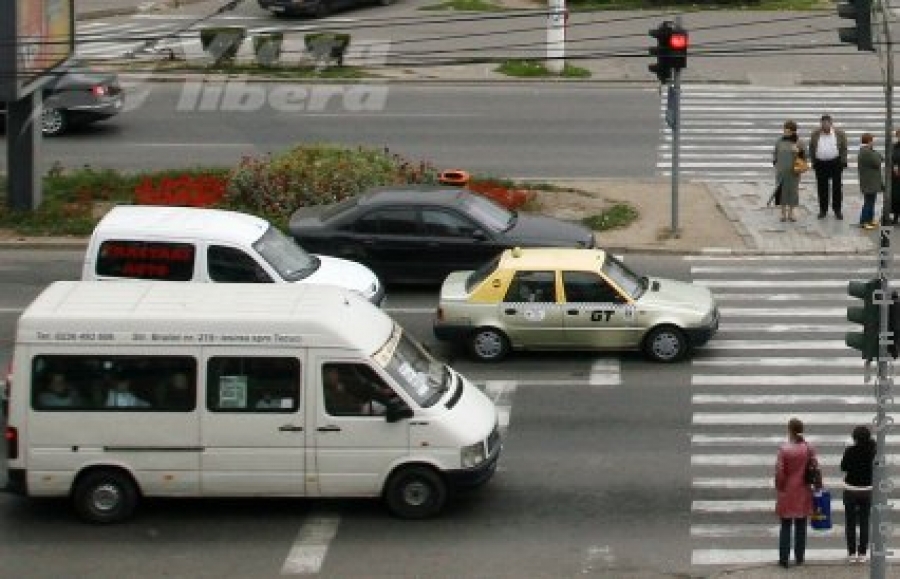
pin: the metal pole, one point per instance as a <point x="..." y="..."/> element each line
<point x="676" y="131"/>
<point x="881" y="481"/>
<point x="556" y="36"/>
<point x="23" y="152"/>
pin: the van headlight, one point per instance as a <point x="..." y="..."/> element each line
<point x="473" y="455"/>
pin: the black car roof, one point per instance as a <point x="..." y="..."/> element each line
<point x="420" y="194"/>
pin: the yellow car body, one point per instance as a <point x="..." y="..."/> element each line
<point x="571" y="299"/>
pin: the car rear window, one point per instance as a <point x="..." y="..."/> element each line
<point x="146" y="260"/>
<point x="480" y="274"/>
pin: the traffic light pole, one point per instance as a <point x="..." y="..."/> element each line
<point x="676" y="133"/>
<point x="882" y="485"/>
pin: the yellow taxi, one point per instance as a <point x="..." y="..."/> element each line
<point x="571" y="299"/>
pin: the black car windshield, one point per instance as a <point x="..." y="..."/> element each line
<point x="488" y="213"/>
<point x="413" y="368"/>
<point x="626" y="279"/>
<point x="291" y="261"/>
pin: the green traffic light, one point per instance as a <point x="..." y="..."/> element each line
<point x="867" y="315"/>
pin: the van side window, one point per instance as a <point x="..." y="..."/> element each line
<point x="249" y="384"/>
<point x="114" y="383"/>
<point x="354" y="390"/>
<point x="146" y="260"/>
<point x="230" y="265"/>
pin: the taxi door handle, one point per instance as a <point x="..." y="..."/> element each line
<point x="290" y="428"/>
<point x="510" y="311"/>
<point x="572" y="312"/>
<point x="329" y="428"/>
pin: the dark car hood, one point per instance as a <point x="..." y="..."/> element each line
<point x="537" y="230"/>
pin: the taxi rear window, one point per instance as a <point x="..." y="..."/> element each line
<point x="480" y="274"/>
<point x="146" y="260"/>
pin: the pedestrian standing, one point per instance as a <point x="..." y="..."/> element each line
<point x="895" y="179"/>
<point x="828" y="153"/>
<point x="871" y="182"/>
<point x="794" y="502"/>
<point x="857" y="462"/>
<point x="787" y="149"/>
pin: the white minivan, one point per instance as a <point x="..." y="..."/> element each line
<point x="211" y="245"/>
<point x="161" y="389"/>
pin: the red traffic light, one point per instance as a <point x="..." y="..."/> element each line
<point x="678" y="41"/>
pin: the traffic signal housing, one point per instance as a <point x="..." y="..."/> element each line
<point x="859" y="35"/>
<point x="867" y="315"/>
<point x="670" y="50"/>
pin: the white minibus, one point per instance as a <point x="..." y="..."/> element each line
<point x="162" y="389"/>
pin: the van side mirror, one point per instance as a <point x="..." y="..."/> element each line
<point x="397" y="411"/>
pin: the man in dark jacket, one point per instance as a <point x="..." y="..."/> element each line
<point x="828" y="154"/>
<point x="870" y="182"/>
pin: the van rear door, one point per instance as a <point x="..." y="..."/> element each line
<point x="253" y="429"/>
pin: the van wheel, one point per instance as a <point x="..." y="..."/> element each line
<point x="415" y="492"/>
<point x="105" y="496"/>
<point x="488" y="344"/>
<point x="666" y="344"/>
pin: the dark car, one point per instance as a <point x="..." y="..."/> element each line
<point x="75" y="96"/>
<point x="317" y="8"/>
<point x="419" y="234"/>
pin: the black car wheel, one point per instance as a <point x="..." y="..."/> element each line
<point x="415" y="492"/>
<point x="105" y="496"/>
<point x="53" y="122"/>
<point x="323" y="9"/>
<point x="489" y="344"/>
<point x="666" y="344"/>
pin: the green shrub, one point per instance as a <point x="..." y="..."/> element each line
<point x="267" y="48"/>
<point x="222" y="42"/>
<point x="327" y="45"/>
<point x="273" y="187"/>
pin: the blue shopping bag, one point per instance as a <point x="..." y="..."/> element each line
<point x="821" y="517"/>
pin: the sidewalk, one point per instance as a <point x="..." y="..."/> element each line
<point x="96" y="9"/>
<point x="810" y="570"/>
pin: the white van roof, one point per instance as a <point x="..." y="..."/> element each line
<point x="169" y="313"/>
<point x="156" y="221"/>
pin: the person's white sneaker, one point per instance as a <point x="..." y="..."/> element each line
<point x="851" y="559"/>
<point x="862" y="559"/>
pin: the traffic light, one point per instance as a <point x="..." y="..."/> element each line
<point x="861" y="34"/>
<point x="867" y="315"/>
<point x="670" y="50"/>
<point x="894" y="325"/>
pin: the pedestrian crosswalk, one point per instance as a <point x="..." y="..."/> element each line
<point x="727" y="133"/>
<point x="780" y="353"/>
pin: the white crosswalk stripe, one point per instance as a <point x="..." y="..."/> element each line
<point x="728" y="132"/>
<point x="779" y="353"/>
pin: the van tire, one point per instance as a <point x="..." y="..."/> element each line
<point x="105" y="496"/>
<point x="488" y="344"/>
<point x="415" y="492"/>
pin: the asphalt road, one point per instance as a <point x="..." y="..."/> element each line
<point x="530" y="130"/>
<point x="590" y="476"/>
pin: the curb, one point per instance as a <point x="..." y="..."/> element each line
<point x="129" y="10"/>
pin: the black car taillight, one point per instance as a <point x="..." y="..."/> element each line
<point x="99" y="90"/>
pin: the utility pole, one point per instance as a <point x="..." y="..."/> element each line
<point x="556" y="36"/>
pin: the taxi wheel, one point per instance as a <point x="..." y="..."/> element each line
<point x="105" y="496"/>
<point x="666" y="344"/>
<point x="415" y="492"/>
<point x="489" y="344"/>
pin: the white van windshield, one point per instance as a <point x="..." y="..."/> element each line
<point x="291" y="261"/>
<point x="413" y="368"/>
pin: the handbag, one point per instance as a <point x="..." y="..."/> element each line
<point x="812" y="475"/>
<point x="821" y="515"/>
<point x="800" y="165"/>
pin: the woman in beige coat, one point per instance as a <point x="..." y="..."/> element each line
<point x="787" y="149"/>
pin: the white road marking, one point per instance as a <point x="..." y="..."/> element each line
<point x="760" y="506"/>
<point x="755" y="530"/>
<point x="605" y="372"/>
<point x="787" y="345"/>
<point x="829" y="380"/>
<point x="311" y="545"/>
<point x="839" y="313"/>
<point x="782" y="328"/>
<point x="757" y="556"/>
<point x="767" y="270"/>
<point x="767" y="297"/>
<point x="781" y="418"/>
<point x="738" y="261"/>
<point x="747" y="483"/>
<point x="779" y="362"/>
<point x="780" y="399"/>
<point x="773" y="441"/>
<point x="766" y="460"/>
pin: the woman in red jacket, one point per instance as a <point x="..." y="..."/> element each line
<point x="795" y="499"/>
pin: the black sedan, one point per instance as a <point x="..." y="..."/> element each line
<point x="419" y="234"/>
<point x="75" y="96"/>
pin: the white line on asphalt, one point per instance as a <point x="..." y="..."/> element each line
<point x="740" y="483"/>
<point x="786" y="345"/>
<point x="839" y="313"/>
<point x="11" y="310"/>
<point x="773" y="297"/>
<point x="760" y="556"/>
<point x="772" y="362"/>
<point x="763" y="270"/>
<point x="770" y="441"/>
<point x="605" y="372"/>
<point x="776" y="283"/>
<point x="755" y="530"/>
<point x="748" y="506"/>
<point x="780" y="418"/>
<point x="832" y="380"/>
<point x="311" y="545"/>
<point x="781" y="328"/>
<point x="747" y="399"/>
<point x="738" y="260"/>
<point x="768" y="460"/>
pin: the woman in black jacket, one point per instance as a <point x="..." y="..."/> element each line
<point x="857" y="462"/>
<point x="895" y="180"/>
